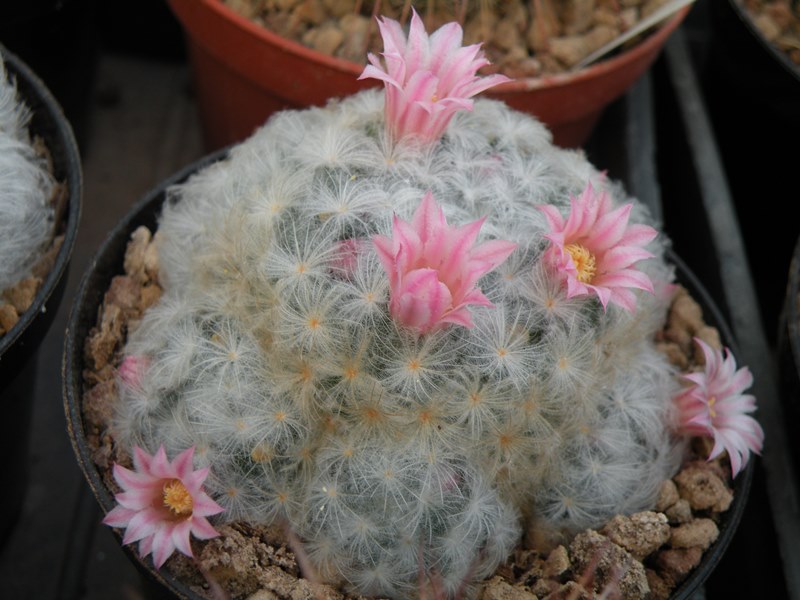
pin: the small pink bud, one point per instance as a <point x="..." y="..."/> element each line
<point x="131" y="370"/>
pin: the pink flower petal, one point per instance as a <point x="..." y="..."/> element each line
<point x="128" y="479"/>
<point x="160" y="528"/>
<point x="162" y="545"/>
<point x="202" y="529"/>
<point x="426" y="78"/>
<point x="605" y="246"/>
<point x="714" y="401"/>
<point x="180" y="537"/>
<point x="119" y="516"/>
<point x="143" y="524"/>
<point x="433" y="268"/>
<point x="625" y="278"/>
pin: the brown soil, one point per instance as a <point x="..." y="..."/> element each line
<point x="645" y="555"/>
<point x="779" y="23"/>
<point x="521" y="38"/>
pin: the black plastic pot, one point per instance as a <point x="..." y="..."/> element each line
<point x="57" y="39"/>
<point x="104" y="266"/>
<point x="108" y="263"/>
<point x="789" y="354"/>
<point x="19" y="345"/>
<point x="752" y="91"/>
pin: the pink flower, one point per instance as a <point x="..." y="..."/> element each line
<point x="131" y="370"/>
<point x="426" y="79"/>
<point x="162" y="503"/>
<point x="433" y="268"/>
<point x="595" y="249"/>
<point x="714" y="406"/>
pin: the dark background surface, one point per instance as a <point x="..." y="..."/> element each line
<point x="120" y="72"/>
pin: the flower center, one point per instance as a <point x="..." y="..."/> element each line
<point x="177" y="498"/>
<point x="584" y="261"/>
<point x="711" y="402"/>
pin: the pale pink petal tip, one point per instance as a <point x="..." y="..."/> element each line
<point x="427" y="79"/>
<point x="434" y="268"/>
<point x="595" y="249"/>
<point x="714" y="405"/>
<point x="163" y="504"/>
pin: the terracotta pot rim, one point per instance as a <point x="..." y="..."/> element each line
<point x="596" y="70"/>
<point x="63" y="142"/>
<point x="108" y="262"/>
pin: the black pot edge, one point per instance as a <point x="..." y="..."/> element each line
<point x="744" y="480"/>
<point x="47" y="117"/>
<point x="779" y="56"/>
<point x="103" y="266"/>
<point x="791" y="311"/>
<point x="106" y="264"/>
<point x="789" y="348"/>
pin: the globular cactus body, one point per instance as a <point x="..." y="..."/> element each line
<point x="391" y="453"/>
<point x="26" y="216"/>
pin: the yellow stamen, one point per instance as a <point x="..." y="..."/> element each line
<point x="584" y="261"/>
<point x="711" y="402"/>
<point x="177" y="498"/>
<point x="434" y="98"/>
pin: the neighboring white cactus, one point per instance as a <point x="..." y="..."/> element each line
<point x="26" y="215"/>
<point x="274" y="354"/>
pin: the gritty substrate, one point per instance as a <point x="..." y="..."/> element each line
<point x="645" y="555"/>
<point x="521" y="38"/>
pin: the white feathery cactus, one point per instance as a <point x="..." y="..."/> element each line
<point x="274" y="354"/>
<point x="26" y="216"/>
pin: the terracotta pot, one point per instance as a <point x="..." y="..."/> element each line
<point x="18" y="347"/>
<point x="243" y="73"/>
<point x="108" y="263"/>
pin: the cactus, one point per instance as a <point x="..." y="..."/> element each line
<point x="26" y="215"/>
<point x="274" y="354"/>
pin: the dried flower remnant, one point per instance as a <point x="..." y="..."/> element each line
<point x="162" y="504"/>
<point x="595" y="249"/>
<point x="714" y="405"/>
<point x="434" y="268"/>
<point x="427" y="79"/>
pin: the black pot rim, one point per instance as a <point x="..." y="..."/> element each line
<point x="790" y="320"/>
<point x="72" y="382"/>
<point x="744" y="480"/>
<point x="47" y="111"/>
<point x="71" y="372"/>
<point x="779" y="56"/>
